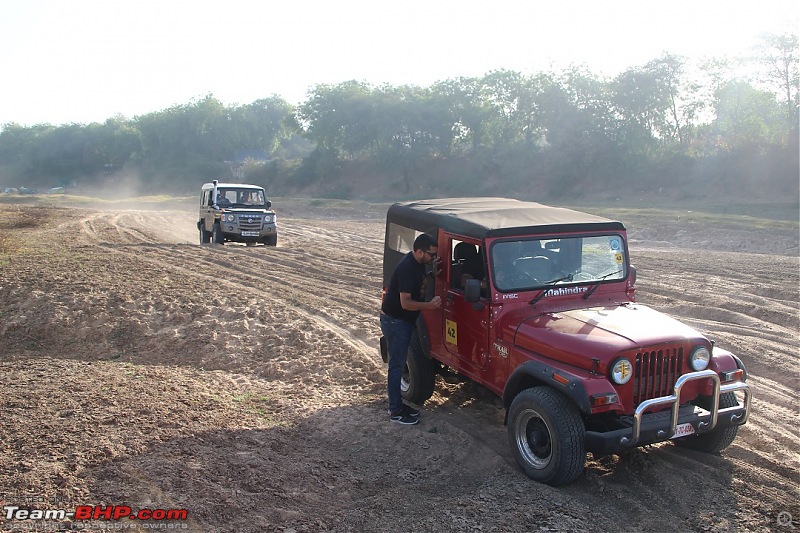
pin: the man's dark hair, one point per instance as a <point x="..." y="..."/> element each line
<point x="423" y="242"/>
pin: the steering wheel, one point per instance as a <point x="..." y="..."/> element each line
<point x="521" y="279"/>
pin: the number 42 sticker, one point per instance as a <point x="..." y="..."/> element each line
<point x="451" y="332"/>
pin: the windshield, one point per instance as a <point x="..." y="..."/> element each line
<point x="531" y="263"/>
<point x="240" y="197"/>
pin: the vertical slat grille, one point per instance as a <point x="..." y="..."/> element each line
<point x="655" y="373"/>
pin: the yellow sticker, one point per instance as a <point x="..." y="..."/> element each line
<point x="451" y="332"/>
<point x="618" y="258"/>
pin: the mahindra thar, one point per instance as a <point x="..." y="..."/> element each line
<point x="539" y="307"/>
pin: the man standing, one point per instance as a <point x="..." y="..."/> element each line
<point x="402" y="302"/>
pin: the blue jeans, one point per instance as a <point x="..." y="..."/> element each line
<point x="398" y="336"/>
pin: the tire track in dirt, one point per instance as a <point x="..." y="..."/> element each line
<point x="241" y="267"/>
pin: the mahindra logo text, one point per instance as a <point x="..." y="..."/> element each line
<point x="563" y="291"/>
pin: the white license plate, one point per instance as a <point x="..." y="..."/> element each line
<point x="682" y="430"/>
<point x="250" y="234"/>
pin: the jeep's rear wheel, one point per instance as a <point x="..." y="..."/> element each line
<point x="718" y="439"/>
<point x="418" y="379"/>
<point x="216" y="235"/>
<point x="205" y="236"/>
<point x="546" y="435"/>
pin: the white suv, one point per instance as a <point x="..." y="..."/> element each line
<point x="236" y="212"/>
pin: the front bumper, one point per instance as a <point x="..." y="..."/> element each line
<point x="236" y="233"/>
<point x="648" y="428"/>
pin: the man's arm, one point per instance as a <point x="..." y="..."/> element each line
<point x="412" y="305"/>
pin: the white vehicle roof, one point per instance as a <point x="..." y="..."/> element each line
<point x="232" y="186"/>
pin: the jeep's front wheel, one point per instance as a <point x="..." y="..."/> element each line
<point x="216" y="234"/>
<point x="718" y="439"/>
<point x="546" y="435"/>
<point x="418" y="379"/>
<point x="271" y="240"/>
<point x="205" y="236"/>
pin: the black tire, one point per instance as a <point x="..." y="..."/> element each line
<point x="216" y="235"/>
<point x="419" y="375"/>
<point x="717" y="440"/>
<point x="546" y="435"/>
<point x="205" y="236"/>
<point x="271" y="240"/>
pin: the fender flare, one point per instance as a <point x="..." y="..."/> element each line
<point x="740" y="364"/>
<point x="532" y="373"/>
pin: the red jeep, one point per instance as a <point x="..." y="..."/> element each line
<point x="538" y="306"/>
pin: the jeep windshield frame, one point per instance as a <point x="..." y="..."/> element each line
<point x="232" y="197"/>
<point x="531" y="263"/>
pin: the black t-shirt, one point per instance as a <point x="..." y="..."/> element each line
<point x="408" y="277"/>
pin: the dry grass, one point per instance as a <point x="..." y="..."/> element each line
<point x="14" y="222"/>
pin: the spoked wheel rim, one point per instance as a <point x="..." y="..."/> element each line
<point x="534" y="440"/>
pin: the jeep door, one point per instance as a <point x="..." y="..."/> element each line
<point x="206" y="209"/>
<point x="465" y="324"/>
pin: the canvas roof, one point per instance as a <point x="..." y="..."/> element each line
<point x="493" y="217"/>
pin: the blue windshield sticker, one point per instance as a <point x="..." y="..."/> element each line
<point x="615" y="244"/>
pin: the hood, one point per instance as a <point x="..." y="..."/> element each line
<point x="248" y="209"/>
<point x="579" y="335"/>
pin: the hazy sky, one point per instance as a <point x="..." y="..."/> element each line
<point x="84" y="61"/>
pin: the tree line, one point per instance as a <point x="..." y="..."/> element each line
<point x="550" y="134"/>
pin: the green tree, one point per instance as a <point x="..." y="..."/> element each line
<point x="509" y="110"/>
<point x="779" y="57"/>
<point x="117" y="142"/>
<point x="468" y="108"/>
<point x="679" y="97"/>
<point x="746" y="117"/>
<point x="340" y="118"/>
<point x="409" y="130"/>
<point x="263" y="124"/>
<point x="19" y="146"/>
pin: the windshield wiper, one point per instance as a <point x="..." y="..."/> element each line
<point x="550" y="283"/>
<point x="596" y="285"/>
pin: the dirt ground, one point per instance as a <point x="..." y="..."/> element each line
<point x="244" y="385"/>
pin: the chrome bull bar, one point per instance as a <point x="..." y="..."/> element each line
<point x="674" y="400"/>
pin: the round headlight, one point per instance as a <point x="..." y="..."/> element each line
<point x="230" y="218"/>
<point x="268" y="218"/>
<point x="622" y="371"/>
<point x="699" y="358"/>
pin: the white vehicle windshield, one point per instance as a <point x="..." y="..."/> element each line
<point x="531" y="263"/>
<point x="240" y="197"/>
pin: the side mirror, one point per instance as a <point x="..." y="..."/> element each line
<point x="269" y="204"/>
<point x="632" y="274"/>
<point x="472" y="290"/>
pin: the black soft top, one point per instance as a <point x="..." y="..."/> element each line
<point x="493" y="217"/>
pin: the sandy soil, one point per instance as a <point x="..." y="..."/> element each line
<point x="244" y="385"/>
